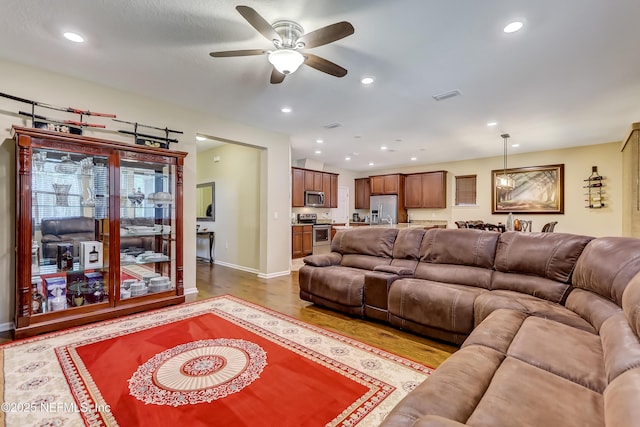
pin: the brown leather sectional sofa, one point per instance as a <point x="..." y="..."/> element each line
<point x="548" y="322"/>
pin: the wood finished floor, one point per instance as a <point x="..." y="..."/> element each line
<point x="281" y="294"/>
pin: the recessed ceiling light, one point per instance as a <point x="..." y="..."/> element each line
<point x="513" y="27"/>
<point x="492" y="124"/>
<point x="200" y="138"/>
<point x="370" y="163"/>
<point x="414" y="158"/>
<point x="285" y="109"/>
<point x="515" y="145"/>
<point x="319" y="141"/>
<point x="77" y="38"/>
<point x="367" y="80"/>
<point x="318" y="152"/>
<point x="383" y="148"/>
<point x="347" y="158"/>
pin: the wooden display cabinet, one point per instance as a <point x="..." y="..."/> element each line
<point x="98" y="229"/>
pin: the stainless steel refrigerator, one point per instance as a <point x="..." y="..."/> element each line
<point x="384" y="209"/>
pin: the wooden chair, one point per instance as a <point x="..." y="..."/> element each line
<point x="461" y="224"/>
<point x="548" y="227"/>
<point x="493" y="227"/>
<point x="476" y="224"/>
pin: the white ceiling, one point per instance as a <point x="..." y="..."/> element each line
<point x="570" y="77"/>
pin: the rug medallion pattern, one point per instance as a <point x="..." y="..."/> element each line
<point x="49" y="371"/>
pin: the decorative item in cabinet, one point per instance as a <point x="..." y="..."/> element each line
<point x="109" y="198"/>
<point x="595" y="194"/>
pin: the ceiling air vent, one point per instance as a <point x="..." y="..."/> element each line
<point x="447" y="95"/>
<point x="333" y="125"/>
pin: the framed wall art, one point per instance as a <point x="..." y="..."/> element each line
<point x="536" y="189"/>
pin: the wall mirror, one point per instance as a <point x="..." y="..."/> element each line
<point x="206" y="201"/>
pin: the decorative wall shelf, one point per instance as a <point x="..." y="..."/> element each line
<point x="595" y="193"/>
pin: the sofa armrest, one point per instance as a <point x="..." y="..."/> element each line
<point x="323" y="260"/>
<point x="394" y="269"/>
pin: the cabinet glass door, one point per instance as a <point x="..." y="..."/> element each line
<point x="147" y="229"/>
<point x="69" y="253"/>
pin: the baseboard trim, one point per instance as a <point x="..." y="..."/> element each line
<point x="272" y="275"/>
<point x="237" y="267"/>
<point x="191" y="291"/>
<point x="8" y="326"/>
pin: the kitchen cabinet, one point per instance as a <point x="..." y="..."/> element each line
<point x="297" y="187"/>
<point x="309" y="180"/>
<point x="386" y="184"/>
<point x="98" y="229"/>
<point x="301" y="240"/>
<point x="330" y="189"/>
<point x="312" y="180"/>
<point x="426" y="190"/>
<point x="363" y="192"/>
<point x="630" y="183"/>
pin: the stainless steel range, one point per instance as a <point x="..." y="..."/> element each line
<point x="321" y="233"/>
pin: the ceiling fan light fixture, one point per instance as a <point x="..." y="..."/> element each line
<point x="286" y="61"/>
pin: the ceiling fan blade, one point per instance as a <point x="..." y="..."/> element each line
<point x="277" y="77"/>
<point x="327" y="34"/>
<point x="324" y="65"/>
<point x="259" y="23"/>
<point x="247" y="52"/>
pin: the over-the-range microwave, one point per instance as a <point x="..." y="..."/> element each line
<point x="314" y="198"/>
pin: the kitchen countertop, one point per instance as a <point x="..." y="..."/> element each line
<point x="416" y="224"/>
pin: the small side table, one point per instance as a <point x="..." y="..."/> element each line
<point x="212" y="239"/>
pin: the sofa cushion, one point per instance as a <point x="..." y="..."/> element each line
<point x="469" y="247"/>
<point x="549" y="255"/>
<point x="371" y="241"/>
<point x="341" y="285"/>
<point x="365" y="262"/>
<point x="491" y="301"/>
<point x="565" y="351"/>
<point x="438" y="305"/>
<point x="620" y="345"/>
<point x="539" y="287"/>
<point x="527" y="396"/>
<point x="621" y="400"/>
<point x="452" y="391"/>
<point x="457" y="274"/>
<point x="497" y="330"/>
<point x="592" y="307"/>
<point x="631" y="303"/>
<point x="607" y="265"/>
<point x="407" y="244"/>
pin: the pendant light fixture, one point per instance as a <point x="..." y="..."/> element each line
<point x="504" y="182"/>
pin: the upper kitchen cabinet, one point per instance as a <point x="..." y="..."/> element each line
<point x="330" y="189"/>
<point x="297" y="187"/>
<point x="386" y="184"/>
<point x="309" y="180"/>
<point x="312" y="180"/>
<point x="426" y="190"/>
<point x="363" y="191"/>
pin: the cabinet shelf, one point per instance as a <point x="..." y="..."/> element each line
<point x="81" y="191"/>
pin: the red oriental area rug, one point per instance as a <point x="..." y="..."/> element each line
<point x="218" y="362"/>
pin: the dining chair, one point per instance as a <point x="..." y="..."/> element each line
<point x="461" y="224"/>
<point x="548" y="227"/>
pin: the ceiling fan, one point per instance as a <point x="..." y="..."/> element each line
<point x="288" y="37"/>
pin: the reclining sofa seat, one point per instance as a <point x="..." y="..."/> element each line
<point x="336" y="280"/>
<point x="521" y="369"/>
<point x="455" y="268"/>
